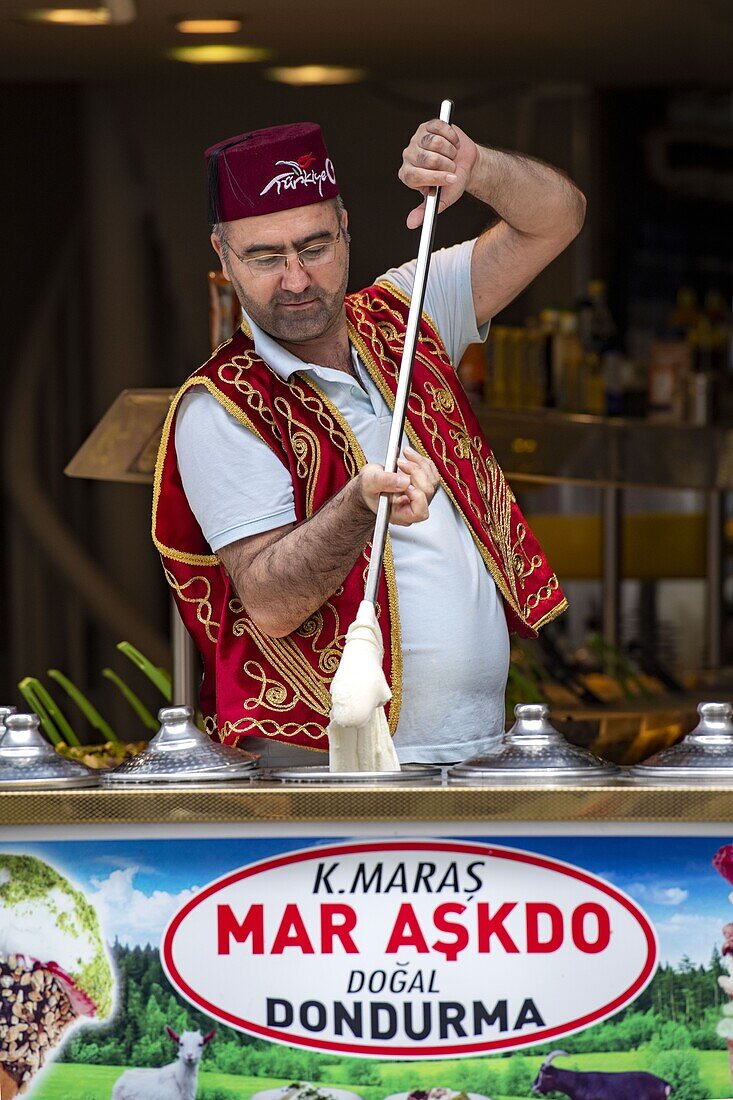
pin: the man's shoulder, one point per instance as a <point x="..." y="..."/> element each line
<point x="386" y="296"/>
<point x="238" y="344"/>
<point x="233" y="360"/>
<point x="380" y="296"/>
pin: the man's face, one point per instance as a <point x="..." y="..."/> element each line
<point x="300" y="303"/>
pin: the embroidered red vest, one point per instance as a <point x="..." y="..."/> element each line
<point x="254" y="685"/>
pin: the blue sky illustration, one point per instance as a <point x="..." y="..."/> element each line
<point x="138" y="885"/>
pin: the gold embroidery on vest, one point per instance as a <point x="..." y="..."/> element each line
<point x="524" y="566"/>
<point x="541" y="594"/>
<point x="343" y="441"/>
<point x="253" y="727"/>
<point x="329" y="654"/>
<point x="271" y="692"/>
<point x="551" y="614"/>
<point x="372" y="301"/>
<point x="443" y="401"/>
<point x="232" y="373"/>
<point x="306" y="449"/>
<point x="389" y="332"/>
<point x="296" y="674"/>
<point x="204" y="610"/>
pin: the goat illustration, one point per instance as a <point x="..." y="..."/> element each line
<point x="633" y="1085"/>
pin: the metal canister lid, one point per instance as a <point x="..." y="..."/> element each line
<point x="5" y="713"/>
<point x="320" y="775"/>
<point x="533" y="751"/>
<point x="181" y="753"/>
<point x="705" y="754"/>
<point x="27" y="759"/>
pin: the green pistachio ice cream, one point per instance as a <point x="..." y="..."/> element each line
<point x="46" y="920"/>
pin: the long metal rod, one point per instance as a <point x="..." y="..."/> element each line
<point x="405" y="376"/>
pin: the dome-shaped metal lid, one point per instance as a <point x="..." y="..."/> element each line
<point x="181" y="753"/>
<point x="5" y="713"/>
<point x="533" y="751"/>
<point x="27" y="759"/>
<point x="705" y="754"/>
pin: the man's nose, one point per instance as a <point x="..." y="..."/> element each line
<point x="295" y="278"/>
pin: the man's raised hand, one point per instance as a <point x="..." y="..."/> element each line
<point x="438" y="155"/>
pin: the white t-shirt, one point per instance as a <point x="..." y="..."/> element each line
<point x="455" y="645"/>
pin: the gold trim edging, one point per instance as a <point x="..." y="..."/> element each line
<point x="257" y="802"/>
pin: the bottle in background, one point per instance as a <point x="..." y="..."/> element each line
<point x="594" y="390"/>
<point x="700" y="383"/>
<point x="685" y="314"/>
<point x="670" y="367"/>
<point x="517" y="369"/>
<point x="535" y="365"/>
<point x="568" y="360"/>
<point x="596" y="327"/>
<point x="497" y="389"/>
<point x="225" y="312"/>
<point x="625" y="385"/>
<point x="720" y="320"/>
<point x="549" y="326"/>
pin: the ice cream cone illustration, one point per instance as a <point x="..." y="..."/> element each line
<point x="53" y="966"/>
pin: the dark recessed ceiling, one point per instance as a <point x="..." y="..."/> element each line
<point x="613" y="42"/>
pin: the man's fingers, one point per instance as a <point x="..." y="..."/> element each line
<point x="418" y="177"/>
<point x="432" y="161"/>
<point x="419" y="473"/>
<point x="393" y="483"/>
<point x="437" y="144"/>
<point x="443" y="129"/>
<point x="422" y="470"/>
<point x="374" y="482"/>
<point x="416" y="217"/>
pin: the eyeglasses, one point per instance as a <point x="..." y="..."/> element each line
<point x="275" y="263"/>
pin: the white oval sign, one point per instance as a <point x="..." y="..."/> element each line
<point x="410" y="949"/>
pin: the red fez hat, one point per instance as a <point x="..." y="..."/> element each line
<point x="269" y="170"/>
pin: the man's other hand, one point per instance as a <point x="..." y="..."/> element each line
<point x="412" y="487"/>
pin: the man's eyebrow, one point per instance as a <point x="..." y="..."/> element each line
<point x="301" y="242"/>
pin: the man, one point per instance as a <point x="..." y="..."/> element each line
<point x="270" y="469"/>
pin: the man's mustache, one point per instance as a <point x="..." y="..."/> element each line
<point x="286" y="299"/>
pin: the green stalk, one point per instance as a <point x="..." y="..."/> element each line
<point x="135" y="702"/>
<point x="29" y="689"/>
<point x="85" y="705"/>
<point x="157" y="676"/>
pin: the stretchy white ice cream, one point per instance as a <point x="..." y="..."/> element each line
<point x="358" y="734"/>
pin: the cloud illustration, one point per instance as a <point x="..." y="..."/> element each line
<point x="658" y="895"/>
<point x="129" y="914"/>
<point x="691" y="934"/>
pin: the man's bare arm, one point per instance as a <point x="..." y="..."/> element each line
<point x="540" y="210"/>
<point x="283" y="576"/>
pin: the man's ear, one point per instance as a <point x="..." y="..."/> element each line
<point x="219" y="249"/>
